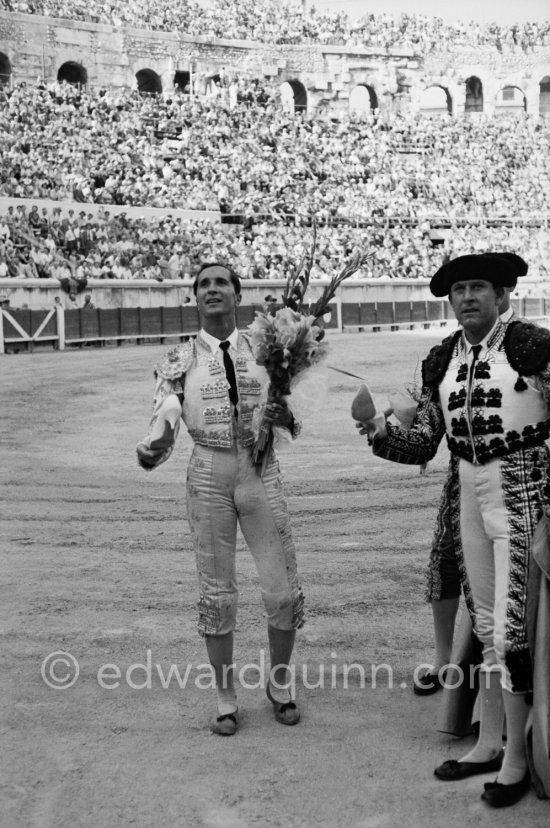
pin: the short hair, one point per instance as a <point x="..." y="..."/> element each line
<point x="235" y="281"/>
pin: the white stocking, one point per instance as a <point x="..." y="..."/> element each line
<point x="491" y="718"/>
<point x="514" y="766"/>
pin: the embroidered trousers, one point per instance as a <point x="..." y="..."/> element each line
<point x="224" y="491"/>
<point x="500" y="505"/>
<point x="443" y="574"/>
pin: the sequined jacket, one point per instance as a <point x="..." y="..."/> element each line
<point x="503" y="407"/>
<point x="197" y="376"/>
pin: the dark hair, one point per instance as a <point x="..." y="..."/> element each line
<point x="235" y="281"/>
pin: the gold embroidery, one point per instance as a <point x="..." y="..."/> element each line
<point x="215" y="367"/>
<point x="215" y="390"/>
<point x="217" y="415"/>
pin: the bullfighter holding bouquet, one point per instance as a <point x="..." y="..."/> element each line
<point x="290" y="340"/>
<point x="231" y="388"/>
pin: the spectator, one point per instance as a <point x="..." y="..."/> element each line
<point x="274" y="170"/>
<point x="286" y="21"/>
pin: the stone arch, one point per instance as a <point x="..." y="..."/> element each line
<point x="294" y="96"/>
<point x="436" y="100"/>
<point x="182" y="81"/>
<point x="362" y="99"/>
<point x="148" y="82"/>
<point x="510" y="99"/>
<point x="72" y="72"/>
<point x="474" y="95"/>
<point x="544" y="96"/>
<point x="5" y="70"/>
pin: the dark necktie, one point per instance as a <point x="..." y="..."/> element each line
<point x="230" y="373"/>
<point x="475" y="351"/>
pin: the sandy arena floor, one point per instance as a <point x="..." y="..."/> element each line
<point x="97" y="563"/>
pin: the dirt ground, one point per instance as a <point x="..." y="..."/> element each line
<point x="97" y="563"/>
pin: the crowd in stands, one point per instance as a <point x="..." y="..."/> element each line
<point x="287" y="21"/>
<point x="255" y="160"/>
<point x="381" y="181"/>
<point x="80" y="245"/>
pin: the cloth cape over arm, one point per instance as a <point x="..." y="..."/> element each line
<point x="170" y="379"/>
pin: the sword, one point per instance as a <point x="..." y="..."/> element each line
<point x="348" y="373"/>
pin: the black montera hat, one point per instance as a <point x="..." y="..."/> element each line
<point x="521" y="266"/>
<point x="501" y="269"/>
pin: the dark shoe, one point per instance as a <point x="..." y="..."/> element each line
<point x="225" y="725"/>
<point x="500" y="796"/>
<point x="451" y="770"/>
<point x="428" y="683"/>
<point x="286" y="713"/>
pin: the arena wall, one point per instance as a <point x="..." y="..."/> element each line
<point x="40" y="294"/>
<point x="397" y="78"/>
<point x="26" y="329"/>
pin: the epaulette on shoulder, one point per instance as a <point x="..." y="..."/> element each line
<point x="437" y="361"/>
<point x="176" y="362"/>
<point x="527" y="347"/>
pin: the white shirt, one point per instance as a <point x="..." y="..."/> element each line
<point x="468" y="346"/>
<point x="214" y="343"/>
<point x="507" y="315"/>
<point x="504" y="317"/>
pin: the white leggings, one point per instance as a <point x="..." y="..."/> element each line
<point x="499" y="507"/>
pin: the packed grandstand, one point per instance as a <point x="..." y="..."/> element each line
<point x="391" y="181"/>
<point x="287" y="21"/>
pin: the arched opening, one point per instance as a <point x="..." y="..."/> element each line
<point x="435" y="100"/>
<point x="73" y="73"/>
<point x="362" y="99"/>
<point x="148" y="82"/>
<point x="182" y="81"/>
<point x="294" y="96"/>
<point x="510" y="99"/>
<point x="544" y="97"/>
<point x="474" y="95"/>
<point x="5" y="70"/>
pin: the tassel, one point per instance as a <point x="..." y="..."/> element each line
<point x="520" y="385"/>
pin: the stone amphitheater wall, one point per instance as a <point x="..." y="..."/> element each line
<point x="112" y="56"/>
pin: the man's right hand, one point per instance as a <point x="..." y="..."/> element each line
<point x="374" y="428"/>
<point x="147" y="457"/>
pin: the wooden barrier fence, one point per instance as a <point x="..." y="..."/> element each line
<point x="25" y="328"/>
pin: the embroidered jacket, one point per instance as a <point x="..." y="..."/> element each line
<point x="487" y="412"/>
<point x="198" y="377"/>
<point x="207" y="410"/>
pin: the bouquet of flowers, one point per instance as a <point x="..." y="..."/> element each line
<point x="290" y="340"/>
